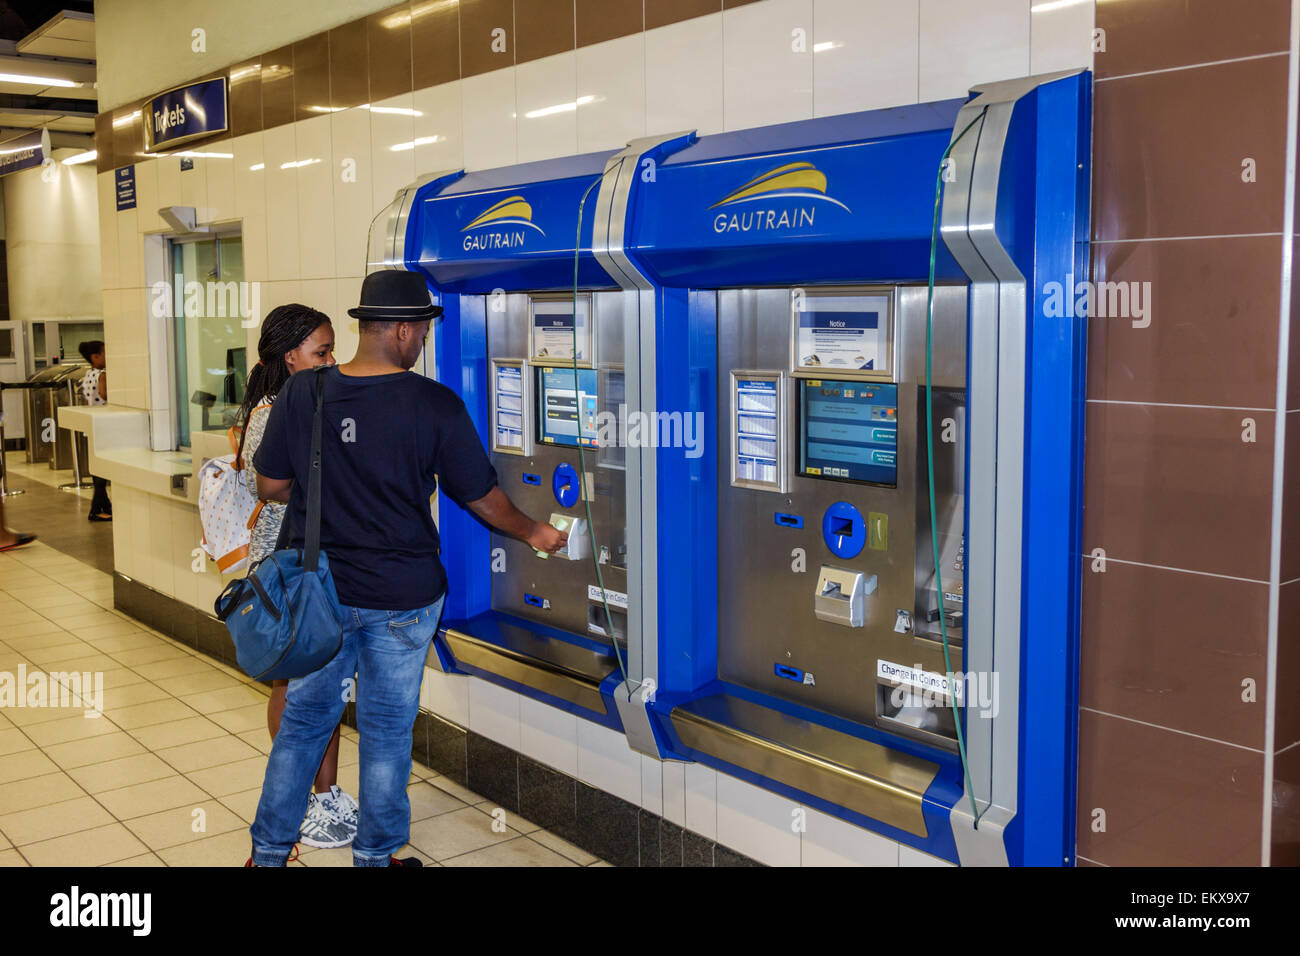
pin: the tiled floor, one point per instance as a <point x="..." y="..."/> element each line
<point x="170" y="774"/>
<point x="59" y="517"/>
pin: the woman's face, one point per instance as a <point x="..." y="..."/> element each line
<point x="315" y="349"/>
<point x="97" y="360"/>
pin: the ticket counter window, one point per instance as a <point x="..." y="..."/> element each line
<point x="211" y="353"/>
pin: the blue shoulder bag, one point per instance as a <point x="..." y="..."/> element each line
<point x="284" y="617"/>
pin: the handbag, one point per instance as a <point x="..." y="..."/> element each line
<point x="284" y="617"/>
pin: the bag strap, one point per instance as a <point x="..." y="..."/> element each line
<point x="311" y="549"/>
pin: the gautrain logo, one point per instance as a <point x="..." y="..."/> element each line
<point x="502" y="225"/>
<point x="786" y="197"/>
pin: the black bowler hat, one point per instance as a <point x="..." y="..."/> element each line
<point x="395" y="295"/>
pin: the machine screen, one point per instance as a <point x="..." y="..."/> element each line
<point x="562" y="409"/>
<point x="848" y="431"/>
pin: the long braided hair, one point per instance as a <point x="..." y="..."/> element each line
<point x="284" y="329"/>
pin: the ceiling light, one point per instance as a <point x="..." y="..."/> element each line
<point x="35" y="80"/>
<point x="86" y="157"/>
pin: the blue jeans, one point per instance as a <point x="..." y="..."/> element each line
<point x="384" y="653"/>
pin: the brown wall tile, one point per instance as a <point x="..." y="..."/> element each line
<point x="1169" y="799"/>
<point x="311" y="76"/>
<point x="731" y="4"/>
<point x="1178" y="487"/>
<point x="244" y="86"/>
<point x="478" y="18"/>
<point x="128" y="134"/>
<point x="104" y="142"/>
<point x="1168" y="150"/>
<point x="543" y="28"/>
<point x="1203" y="293"/>
<point x="1291" y="501"/>
<point x="1158" y="34"/>
<point x="389" y="34"/>
<point x="1293" y="362"/>
<point x="1172" y="648"/>
<point x="660" y="13"/>
<point x="1286" y="809"/>
<point x="601" y="20"/>
<point x="349" y="65"/>
<point x="435" y="43"/>
<point x="1286" y="730"/>
<point x="277" y="87"/>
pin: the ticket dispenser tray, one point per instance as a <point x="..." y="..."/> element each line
<point x="841" y="595"/>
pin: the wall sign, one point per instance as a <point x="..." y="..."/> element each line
<point x="23" y="152"/>
<point x="186" y="113"/>
<point x="124" y="180"/>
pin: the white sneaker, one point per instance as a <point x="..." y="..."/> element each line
<point x="341" y="807"/>
<point x="321" y="829"/>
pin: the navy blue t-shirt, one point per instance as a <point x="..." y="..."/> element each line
<point x="386" y="442"/>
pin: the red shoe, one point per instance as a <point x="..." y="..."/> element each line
<point x="406" y="861"/>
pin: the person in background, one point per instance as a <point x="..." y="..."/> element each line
<point x="9" y="540"/>
<point x="94" y="389"/>
<point x="294" y="337"/>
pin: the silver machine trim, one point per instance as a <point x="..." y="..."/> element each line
<point x="996" y="402"/>
<point x="639" y="367"/>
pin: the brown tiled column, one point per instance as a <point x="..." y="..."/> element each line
<point x="1177" y="730"/>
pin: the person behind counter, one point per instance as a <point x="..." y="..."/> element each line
<point x="94" y="389"/>
<point x="294" y="337"/>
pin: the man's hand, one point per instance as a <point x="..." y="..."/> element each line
<point x="547" y="538"/>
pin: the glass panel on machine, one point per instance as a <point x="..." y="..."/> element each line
<point x="848" y="431"/>
<point x="568" y="406"/>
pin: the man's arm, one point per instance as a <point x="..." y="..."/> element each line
<point x="273" y="489"/>
<point x="499" y="511"/>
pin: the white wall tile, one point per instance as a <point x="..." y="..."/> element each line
<point x="864" y="54"/>
<point x="391" y="125"/>
<point x="702" y="800"/>
<point x="674" y="784"/>
<point x="147" y="199"/>
<point x="184" y="540"/>
<point x="124" y="520"/>
<point x="272" y="294"/>
<point x="683" y="76"/>
<point x="194" y="181"/>
<point x="316" y="198"/>
<point x="964" y="43"/>
<point x="768" y="63"/>
<point x="494" y="712"/>
<point x="910" y="857"/>
<point x="141" y="538"/>
<point x="160" y="545"/>
<point x="488" y="119"/>
<point x="542" y="85"/>
<point x="549" y="735"/>
<point x="830" y="841"/>
<point x="439" y="145"/>
<point x="321" y="295"/>
<point x="446" y="695"/>
<point x="756" y="822"/>
<point x="220" y="169"/>
<point x="108" y="270"/>
<point x="613" y="73"/>
<point x="652" y="784"/>
<point x="348" y="294"/>
<point x="352" y="189"/>
<point x="1061" y="37"/>
<point x="168" y="171"/>
<point x="280" y="153"/>
<point x="606" y="762"/>
<point x="210" y="583"/>
<point x="130" y="263"/>
<point x="250" y="203"/>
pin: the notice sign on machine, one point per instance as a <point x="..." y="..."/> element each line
<point x="756" y="430"/>
<point x="615" y="598"/>
<point x="510" y="407"/>
<point x="920" y="679"/>
<point x="842" y="340"/>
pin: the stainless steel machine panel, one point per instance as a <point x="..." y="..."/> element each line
<point x="556" y="591"/>
<point x="796" y="620"/>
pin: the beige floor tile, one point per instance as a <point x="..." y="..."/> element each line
<point x="242" y="719"/>
<point x="136" y="656"/>
<point x="4" y="842"/>
<point x="86" y="614"/>
<point x="96" y="847"/>
<point x="196" y="683"/>
<point x="518" y="852"/>
<point x="69" y="728"/>
<point x="460" y="831"/>
<point x="23" y="637"/>
<point x="50" y="656"/>
<point x="513" y="820"/>
<point x="11" y="858"/>
<point x="215" y="701"/>
<point x="54" y="820"/>
<point x="105" y="630"/>
<point x="350" y="753"/>
<point x="549" y="840"/>
<point x="125" y="641"/>
<point x="173" y="666"/>
<point x="601" y="863"/>
<point x="92" y="663"/>
<point x="232" y="777"/>
<point x="121" y="677"/>
<point x="244" y="803"/>
<point x="119" y="698"/>
<point x="154" y="712"/>
<point x="316" y="856"/>
<point x="144" y="798"/>
<point x="44" y="714"/>
<point x="427" y="801"/>
<point x="463" y="794"/>
<point x="174" y="734"/>
<point x="185" y="825"/>
<point x="12" y="740"/>
<point x="37" y="792"/>
<point x="144" y="859"/>
<point x="207" y="753"/>
<point x="226" y="849"/>
<point x="79" y="753"/>
<point x="122" y="772"/>
<point x="25" y="764"/>
<point x="258" y="739"/>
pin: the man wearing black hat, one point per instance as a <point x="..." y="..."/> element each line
<point x="389" y="440"/>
